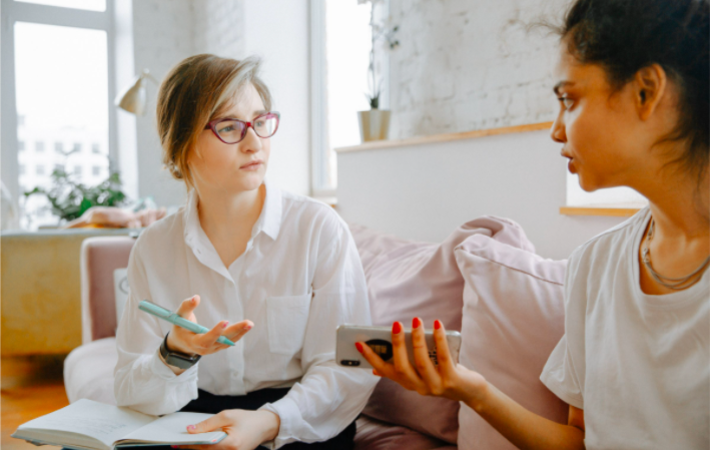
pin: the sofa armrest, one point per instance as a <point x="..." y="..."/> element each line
<point x="100" y="256"/>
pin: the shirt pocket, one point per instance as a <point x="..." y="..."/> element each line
<point x="287" y="318"/>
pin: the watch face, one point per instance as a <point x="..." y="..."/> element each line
<point x="175" y="359"/>
<point x="183" y="362"/>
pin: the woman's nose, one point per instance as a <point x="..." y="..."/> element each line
<point x="558" y="132"/>
<point x="251" y="142"/>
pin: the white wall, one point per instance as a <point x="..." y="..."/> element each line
<point x="165" y="32"/>
<point x="470" y="64"/>
<point x="424" y="192"/>
<point x="277" y="31"/>
<point x="163" y="36"/>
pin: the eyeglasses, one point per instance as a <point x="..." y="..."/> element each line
<point x="232" y="131"/>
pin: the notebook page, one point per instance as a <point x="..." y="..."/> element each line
<point x="105" y="423"/>
<point x="173" y="429"/>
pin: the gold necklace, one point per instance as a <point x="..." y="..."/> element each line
<point x="671" y="283"/>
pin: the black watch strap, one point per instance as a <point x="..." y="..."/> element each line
<point x="177" y="359"/>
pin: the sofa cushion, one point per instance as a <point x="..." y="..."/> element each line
<point x="375" y="435"/>
<point x="88" y="371"/>
<point x="414" y="279"/>
<point x="513" y="317"/>
<point x="100" y="257"/>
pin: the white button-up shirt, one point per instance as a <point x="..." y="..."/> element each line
<point x="298" y="279"/>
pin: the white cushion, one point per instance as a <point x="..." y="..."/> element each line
<point x="88" y="371"/>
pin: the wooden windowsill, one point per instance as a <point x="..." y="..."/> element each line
<point x="598" y="211"/>
<point x="438" y="138"/>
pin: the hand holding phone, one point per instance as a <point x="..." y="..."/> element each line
<point x="379" y="339"/>
<point x="415" y="364"/>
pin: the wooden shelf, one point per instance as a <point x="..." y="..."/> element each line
<point x="598" y="211"/>
<point x="449" y="137"/>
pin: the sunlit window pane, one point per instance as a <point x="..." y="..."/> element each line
<point x="89" y="5"/>
<point x="62" y="94"/>
<point x="347" y="57"/>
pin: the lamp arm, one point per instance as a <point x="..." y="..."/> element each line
<point x="151" y="77"/>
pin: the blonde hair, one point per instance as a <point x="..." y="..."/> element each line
<point x="195" y="92"/>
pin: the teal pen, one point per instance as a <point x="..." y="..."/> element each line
<point x="175" y="319"/>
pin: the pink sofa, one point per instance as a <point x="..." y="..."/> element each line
<point x="405" y="279"/>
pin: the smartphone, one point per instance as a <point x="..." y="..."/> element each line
<point x="380" y="340"/>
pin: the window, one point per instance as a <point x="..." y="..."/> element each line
<point x="22" y="169"/>
<point x="77" y="171"/>
<point x="91" y="5"/>
<point x="56" y="107"/>
<point x="339" y="66"/>
<point x="21" y="146"/>
<point x="96" y="148"/>
<point x="59" y="167"/>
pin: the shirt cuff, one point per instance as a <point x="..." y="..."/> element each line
<point x="289" y="415"/>
<point x="159" y="368"/>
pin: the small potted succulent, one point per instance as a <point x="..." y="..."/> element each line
<point x="374" y="123"/>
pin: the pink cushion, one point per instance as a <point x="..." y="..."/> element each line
<point x="513" y="317"/>
<point x="407" y="279"/>
<point x="375" y="435"/>
<point x="100" y="256"/>
<point x="88" y="371"/>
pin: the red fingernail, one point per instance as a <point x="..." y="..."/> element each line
<point x="358" y="346"/>
<point x="224" y="324"/>
<point x="396" y="328"/>
<point x="416" y="322"/>
<point x="190" y="427"/>
<point x="437" y="324"/>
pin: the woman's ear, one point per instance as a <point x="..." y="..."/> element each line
<point x="650" y="84"/>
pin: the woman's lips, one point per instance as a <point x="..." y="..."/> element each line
<point x="254" y="165"/>
<point x="570" y="166"/>
<point x="570" y="163"/>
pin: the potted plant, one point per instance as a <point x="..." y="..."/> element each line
<point x="70" y="199"/>
<point x="374" y="123"/>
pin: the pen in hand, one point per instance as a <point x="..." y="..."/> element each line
<point x="175" y="319"/>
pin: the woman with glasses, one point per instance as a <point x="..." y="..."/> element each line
<point x="274" y="272"/>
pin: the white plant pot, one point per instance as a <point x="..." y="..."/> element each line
<point x="374" y="124"/>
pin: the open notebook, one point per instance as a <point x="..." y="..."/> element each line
<point x="89" y="425"/>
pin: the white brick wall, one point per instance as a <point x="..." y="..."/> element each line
<point x="166" y="32"/>
<point x="470" y="64"/>
<point x="219" y="27"/>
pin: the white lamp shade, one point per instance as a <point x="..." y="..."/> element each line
<point x="133" y="99"/>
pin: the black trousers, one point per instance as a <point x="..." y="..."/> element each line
<point x="213" y="404"/>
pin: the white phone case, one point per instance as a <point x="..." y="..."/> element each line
<point x="380" y="340"/>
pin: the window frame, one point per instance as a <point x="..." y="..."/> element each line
<point x="12" y="12"/>
<point x="319" y="94"/>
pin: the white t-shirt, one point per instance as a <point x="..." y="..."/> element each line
<point x="298" y="279"/>
<point x="637" y="364"/>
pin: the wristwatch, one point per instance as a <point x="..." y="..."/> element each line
<point x="177" y="359"/>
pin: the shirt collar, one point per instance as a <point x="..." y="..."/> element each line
<point x="269" y="220"/>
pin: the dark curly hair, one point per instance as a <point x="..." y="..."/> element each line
<point x="624" y="36"/>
